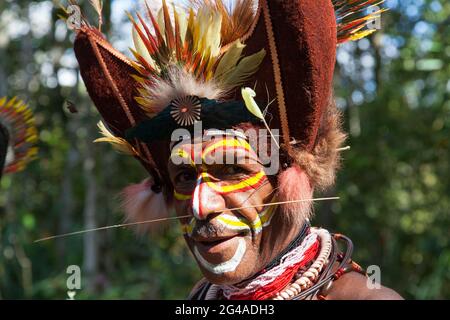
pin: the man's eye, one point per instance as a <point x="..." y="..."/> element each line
<point x="185" y="177"/>
<point x="234" y="170"/>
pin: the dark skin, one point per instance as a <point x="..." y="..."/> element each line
<point x="353" y="286"/>
<point x="263" y="245"/>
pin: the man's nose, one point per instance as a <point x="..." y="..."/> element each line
<point x="205" y="200"/>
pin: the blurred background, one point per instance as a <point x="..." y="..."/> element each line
<point x="394" y="88"/>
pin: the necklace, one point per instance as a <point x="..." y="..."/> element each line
<point x="306" y="279"/>
<point x="313" y="279"/>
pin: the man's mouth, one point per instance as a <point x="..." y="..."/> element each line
<point x="216" y="245"/>
<point x="220" y="254"/>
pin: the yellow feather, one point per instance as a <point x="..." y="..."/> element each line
<point x="119" y="144"/>
<point x="361" y="34"/>
<point x="183" y="21"/>
<point x="161" y="25"/>
<point x="213" y="37"/>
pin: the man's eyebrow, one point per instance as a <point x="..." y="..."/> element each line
<point x="247" y="159"/>
<point x="180" y="153"/>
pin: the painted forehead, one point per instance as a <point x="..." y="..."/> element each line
<point x="216" y="147"/>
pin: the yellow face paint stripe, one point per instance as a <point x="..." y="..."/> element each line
<point x="182" y="197"/>
<point x="267" y="215"/>
<point x="183" y="154"/>
<point x="263" y="220"/>
<point x="248" y="183"/>
<point x="239" y="222"/>
<point x="187" y="228"/>
<point x="226" y="143"/>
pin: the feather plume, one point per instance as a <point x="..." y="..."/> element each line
<point x="19" y="121"/>
<point x="119" y="144"/>
<point x="236" y="20"/>
<point x="141" y="204"/>
<point x="159" y="92"/>
<point x="244" y="70"/>
<point x="189" y="49"/>
<point x="229" y="60"/>
<point x="352" y="17"/>
<point x="98" y="6"/>
<point x="141" y="49"/>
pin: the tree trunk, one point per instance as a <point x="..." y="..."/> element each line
<point x="90" y="207"/>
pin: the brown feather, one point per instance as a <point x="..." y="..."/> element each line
<point x="236" y="21"/>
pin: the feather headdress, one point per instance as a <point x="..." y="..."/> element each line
<point x="191" y="64"/>
<point x="210" y="49"/>
<point x="187" y="57"/>
<point x="19" y="122"/>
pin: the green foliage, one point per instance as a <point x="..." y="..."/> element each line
<point x="395" y="185"/>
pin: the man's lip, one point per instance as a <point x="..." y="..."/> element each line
<point x="211" y="240"/>
<point x="216" y="245"/>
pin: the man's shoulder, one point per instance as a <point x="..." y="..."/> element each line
<point x="355" y="286"/>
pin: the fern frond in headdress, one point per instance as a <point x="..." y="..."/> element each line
<point x="353" y="16"/>
<point x="192" y="46"/>
<point x="18" y="119"/>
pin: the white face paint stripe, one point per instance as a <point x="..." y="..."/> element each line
<point x="239" y="223"/>
<point x="223" y="267"/>
<point x="196" y="199"/>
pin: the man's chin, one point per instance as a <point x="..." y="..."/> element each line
<point x="228" y="278"/>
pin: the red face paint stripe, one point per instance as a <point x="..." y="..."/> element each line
<point x="229" y="189"/>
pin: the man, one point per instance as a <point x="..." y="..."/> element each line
<point x="239" y="172"/>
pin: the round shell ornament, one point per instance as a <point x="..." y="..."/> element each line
<point x="186" y="110"/>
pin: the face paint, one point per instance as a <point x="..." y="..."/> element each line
<point x="196" y="201"/>
<point x="241" y="224"/>
<point x="181" y="196"/>
<point x="180" y="156"/>
<point x="223" y="145"/>
<point x="209" y="192"/>
<point x="188" y="227"/>
<point x="238" y="223"/>
<point x="252" y="182"/>
<point x="227" y="266"/>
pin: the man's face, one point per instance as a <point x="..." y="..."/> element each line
<point x="211" y="180"/>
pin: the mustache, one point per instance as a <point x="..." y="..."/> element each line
<point x="207" y="229"/>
